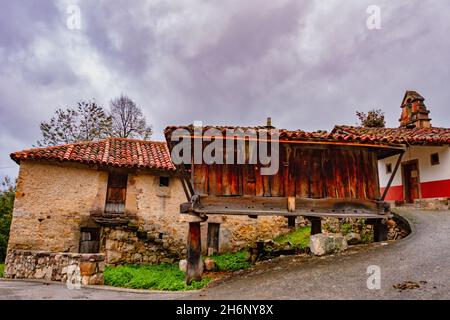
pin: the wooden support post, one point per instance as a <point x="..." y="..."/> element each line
<point x="316" y="225"/>
<point x="388" y="186"/>
<point x="291" y="204"/>
<point x="213" y="238"/>
<point x="194" y="254"/>
<point x="380" y="231"/>
<point x="291" y="221"/>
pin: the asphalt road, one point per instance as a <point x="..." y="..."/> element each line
<point x="423" y="258"/>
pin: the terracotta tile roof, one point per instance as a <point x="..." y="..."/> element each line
<point x="416" y="136"/>
<point x="116" y="152"/>
<point x="285" y="135"/>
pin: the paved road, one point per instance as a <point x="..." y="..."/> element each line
<point x="18" y="290"/>
<point x="423" y="256"/>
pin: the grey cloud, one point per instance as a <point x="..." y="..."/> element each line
<point x="307" y="64"/>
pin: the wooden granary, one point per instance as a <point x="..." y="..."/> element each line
<point x="318" y="174"/>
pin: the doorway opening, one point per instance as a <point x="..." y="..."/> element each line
<point x="411" y="180"/>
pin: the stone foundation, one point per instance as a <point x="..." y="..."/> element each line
<point x="125" y="246"/>
<point x="424" y="204"/>
<point x="86" y="268"/>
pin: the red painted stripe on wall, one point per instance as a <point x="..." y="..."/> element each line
<point x="432" y="189"/>
<point x="436" y="189"/>
<point x="394" y="193"/>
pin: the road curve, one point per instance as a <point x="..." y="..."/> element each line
<point x="423" y="257"/>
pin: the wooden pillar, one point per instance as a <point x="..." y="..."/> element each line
<point x="316" y="225"/>
<point x="194" y="268"/>
<point x="213" y="238"/>
<point x="380" y="231"/>
<point x="291" y="221"/>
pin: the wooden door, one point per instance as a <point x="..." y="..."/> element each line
<point x="411" y="181"/>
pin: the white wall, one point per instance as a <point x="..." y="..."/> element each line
<point x="427" y="171"/>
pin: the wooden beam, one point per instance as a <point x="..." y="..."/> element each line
<point x="194" y="254"/>
<point x="346" y="143"/>
<point x="316" y="225"/>
<point x="379" y="231"/>
<point x="278" y="206"/>
<point x="397" y="165"/>
<point x="291" y="204"/>
<point x="187" y="179"/>
<point x="291" y="221"/>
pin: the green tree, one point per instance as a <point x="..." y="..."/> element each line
<point x="373" y="119"/>
<point x="7" y="193"/>
<point x="88" y="121"/>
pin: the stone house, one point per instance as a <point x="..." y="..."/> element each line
<point x="422" y="176"/>
<point x="117" y="197"/>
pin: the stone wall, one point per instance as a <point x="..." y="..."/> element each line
<point x="127" y="246"/>
<point x="424" y="204"/>
<point x="55" y="200"/>
<point x="85" y="268"/>
<point x="52" y="202"/>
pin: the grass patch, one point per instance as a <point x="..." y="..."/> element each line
<point x="2" y="268"/>
<point x="158" y="277"/>
<point x="232" y="261"/>
<point x="346" y="228"/>
<point x="298" y="239"/>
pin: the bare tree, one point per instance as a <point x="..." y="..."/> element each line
<point x="128" y="120"/>
<point x="86" y="122"/>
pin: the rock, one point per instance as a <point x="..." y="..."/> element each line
<point x="391" y="223"/>
<point x="113" y="257"/>
<point x="353" y="238"/>
<point x="210" y="264"/>
<point x="183" y="265"/>
<point x="87" y="268"/>
<point x="322" y="243"/>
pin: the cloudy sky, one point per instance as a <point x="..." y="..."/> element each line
<point x="307" y="64"/>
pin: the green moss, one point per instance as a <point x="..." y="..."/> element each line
<point x="2" y="268"/>
<point x="298" y="239"/>
<point x="346" y="228"/>
<point x="157" y="277"/>
<point x="232" y="261"/>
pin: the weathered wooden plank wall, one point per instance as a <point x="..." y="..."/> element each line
<point x="304" y="172"/>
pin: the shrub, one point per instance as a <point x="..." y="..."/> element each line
<point x="232" y="261"/>
<point x="298" y="239"/>
<point x="346" y="228"/>
<point x="2" y="268"/>
<point x="7" y="193"/>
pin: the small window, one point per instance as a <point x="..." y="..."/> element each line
<point x="164" y="181"/>
<point x="389" y="168"/>
<point x="89" y="240"/>
<point x="434" y="159"/>
<point x="116" y="194"/>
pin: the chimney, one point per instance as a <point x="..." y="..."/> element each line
<point x="269" y="123"/>
<point x="414" y="111"/>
